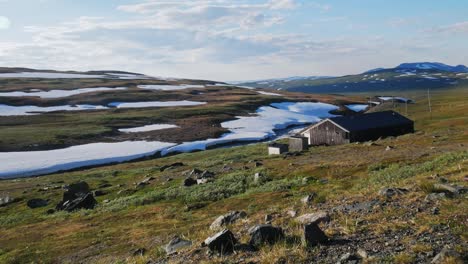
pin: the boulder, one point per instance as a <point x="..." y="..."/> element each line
<point x="5" y="200"/>
<point x="222" y="242"/>
<point x="349" y="258"/>
<point x="313" y="218"/>
<point x="99" y="193"/>
<point x="292" y="213"/>
<point x="444" y="254"/>
<point x="390" y="192"/>
<point x="36" y="203"/>
<point x="434" y="197"/>
<point x="227" y="219"/>
<point x="389" y="148"/>
<point x="189" y="182"/>
<point x="265" y="234"/>
<point x="176" y="244"/>
<point x="312" y="235"/>
<point x="77" y="196"/>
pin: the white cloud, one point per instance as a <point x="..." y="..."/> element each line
<point x="283" y="4"/>
<point x="4" y="23"/>
<point x="460" y="27"/>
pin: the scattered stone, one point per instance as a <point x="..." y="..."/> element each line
<point x="307" y="180"/>
<point x="314" y="218"/>
<point x="450" y="189"/>
<point x="313" y="235"/>
<point x="265" y="234"/>
<point x="434" y="197"/>
<point x="349" y="258"/>
<point x="5" y="200"/>
<point x="77" y="196"/>
<point x="258" y="164"/>
<point x="176" y="244"/>
<point x="222" y="242"/>
<point x="189" y="182"/>
<point x="390" y="192"/>
<point x="371" y="143"/>
<point x="354" y="207"/>
<point x="36" y="203"/>
<point x="444" y="254"/>
<point x="435" y="210"/>
<point x="106" y="201"/>
<point x="139" y="252"/>
<point x="260" y="178"/>
<point x="227" y="219"/>
<point x="171" y="166"/>
<point x="362" y="253"/>
<point x="268" y="218"/>
<point x="203" y="181"/>
<point x="144" y="182"/>
<point x="389" y="148"/>
<point x="308" y="199"/>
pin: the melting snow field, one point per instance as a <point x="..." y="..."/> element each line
<point x="59" y="93"/>
<point x="8" y="110"/>
<point x="24" y="164"/>
<point x="49" y="75"/>
<point x="262" y="125"/>
<point x="146" y="128"/>
<point x="256" y="127"/>
<point x="155" y="104"/>
<point x="357" y="107"/>
<point x="170" y="87"/>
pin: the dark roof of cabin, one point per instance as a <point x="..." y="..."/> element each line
<point x="371" y="120"/>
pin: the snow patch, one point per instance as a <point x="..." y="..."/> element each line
<point x="8" y="110"/>
<point x="268" y="93"/>
<point x="146" y="128"/>
<point x="50" y="75"/>
<point x="155" y="104"/>
<point x="59" y="93"/>
<point x="170" y="87"/>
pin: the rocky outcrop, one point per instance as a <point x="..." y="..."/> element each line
<point x="312" y="235"/>
<point x="222" y="242"/>
<point x="5" y="200"/>
<point x="171" y="166"/>
<point x="227" y="219"/>
<point x="313" y="218"/>
<point x="77" y="196"/>
<point x="265" y="234"/>
<point x="390" y="192"/>
<point x="445" y="254"/>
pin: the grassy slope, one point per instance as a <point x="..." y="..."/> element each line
<point x="150" y="216"/>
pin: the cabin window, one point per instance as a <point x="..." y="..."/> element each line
<point x="346" y="135"/>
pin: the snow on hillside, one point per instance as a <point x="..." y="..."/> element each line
<point x="8" y="110"/>
<point x="155" y="104"/>
<point x="59" y="93"/>
<point x="146" y="128"/>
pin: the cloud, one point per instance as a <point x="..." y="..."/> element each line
<point x="4" y="23"/>
<point x="283" y="4"/>
<point x="460" y="27"/>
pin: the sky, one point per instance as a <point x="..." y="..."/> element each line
<point x="231" y="40"/>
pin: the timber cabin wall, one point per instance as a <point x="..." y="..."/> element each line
<point x="327" y="133"/>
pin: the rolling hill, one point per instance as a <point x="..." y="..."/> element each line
<point x="406" y="76"/>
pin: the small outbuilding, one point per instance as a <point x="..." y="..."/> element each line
<point x="277" y="148"/>
<point x="358" y="128"/>
<point x="298" y="143"/>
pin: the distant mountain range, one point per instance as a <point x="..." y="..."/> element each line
<point x="418" y="75"/>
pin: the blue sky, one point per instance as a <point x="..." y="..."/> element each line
<point x="231" y="39"/>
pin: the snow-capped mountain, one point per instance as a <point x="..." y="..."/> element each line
<point x="432" y="66"/>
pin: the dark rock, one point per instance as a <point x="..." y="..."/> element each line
<point x="173" y="165"/>
<point x="6" y="200"/>
<point x="36" y="203"/>
<point x="176" y="244"/>
<point x="77" y="196"/>
<point x="139" y="252"/>
<point x="99" y="193"/>
<point x="390" y="192"/>
<point x="313" y="235"/>
<point x="268" y="218"/>
<point x="227" y="219"/>
<point x="222" y="242"/>
<point x="195" y="172"/>
<point x="265" y="234"/>
<point x="444" y="254"/>
<point x="50" y="211"/>
<point x="435" y="210"/>
<point x="189" y="182"/>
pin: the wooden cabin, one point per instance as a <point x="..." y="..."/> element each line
<point x="358" y="128"/>
<point x="277" y="149"/>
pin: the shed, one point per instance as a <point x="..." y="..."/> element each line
<point x="358" y="128"/>
<point x="298" y="143"/>
<point x="277" y="148"/>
